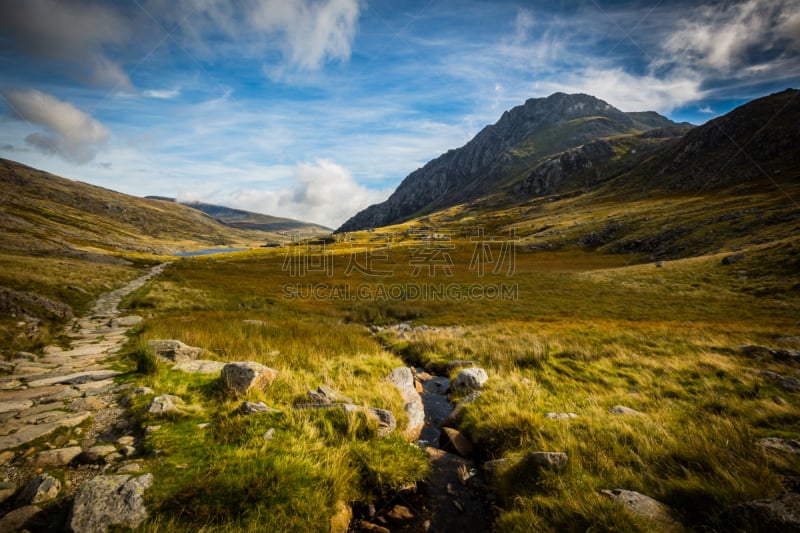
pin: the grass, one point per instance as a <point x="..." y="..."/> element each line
<point x="588" y="331"/>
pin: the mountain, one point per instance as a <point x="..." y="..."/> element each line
<point x="41" y="213"/>
<point x="248" y="220"/>
<point x="506" y="152"/>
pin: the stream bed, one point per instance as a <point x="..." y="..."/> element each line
<point x="452" y="498"/>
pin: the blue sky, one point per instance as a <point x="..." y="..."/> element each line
<point x="315" y="109"/>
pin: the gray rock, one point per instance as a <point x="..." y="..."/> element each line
<point x="58" y="457"/>
<point x="240" y="377"/>
<point x="493" y="467"/>
<point x="754" y="350"/>
<point x="403" y="380"/>
<point x="791" y="356"/>
<point x="646" y="507"/>
<point x="560" y="416"/>
<point x="139" y="391"/>
<point x="42" y="488"/>
<point x="783" y="382"/>
<point x="386" y="421"/>
<point x="174" y="351"/>
<point x="200" y="366"/>
<point x="470" y="379"/>
<point x="535" y="461"/>
<point x="777" y="514"/>
<point x="782" y="445"/>
<point x="325" y="394"/>
<point x="110" y="500"/>
<point x="249" y="408"/>
<point x="18" y="518"/>
<point x="167" y="405"/>
<point x="250" y="322"/>
<point x="622" y="410"/>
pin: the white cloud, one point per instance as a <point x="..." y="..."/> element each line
<point x="629" y="92"/>
<point x="720" y="37"/>
<point x="706" y="110"/>
<point x="75" y="32"/>
<point x="313" y="31"/>
<point x="162" y="94"/>
<point x="322" y="192"/>
<point x="69" y="132"/>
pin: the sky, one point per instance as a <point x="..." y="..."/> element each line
<point x="315" y="109"/>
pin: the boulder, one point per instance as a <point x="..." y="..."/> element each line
<point x="18" y="518"/>
<point x="452" y="440"/>
<point x="731" y="259"/>
<point x="776" y="514"/>
<point x="454" y="418"/>
<point x="110" y="500"/>
<point x="403" y="380"/>
<point x="386" y="421"/>
<point x="139" y="391"/>
<point x="560" y="416"/>
<point x="470" y="379"/>
<point x="754" y="350"/>
<point x="7" y="490"/>
<point x="783" y="382"/>
<point x="536" y="461"/>
<point x="242" y="376"/>
<point x="646" y="507"/>
<point x="174" y="351"/>
<point x="42" y="488"/>
<point x="250" y="322"/>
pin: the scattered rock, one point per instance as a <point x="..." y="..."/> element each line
<point x="129" y="468"/>
<point x="254" y="322"/>
<point x="242" y="376"/>
<point x="18" y="405"/>
<point x="470" y="379"/>
<point x="452" y="366"/>
<point x="783" y="382"/>
<point x="269" y="434"/>
<point x="340" y="522"/>
<point x="125" y="321"/>
<point x="453" y="440"/>
<point x="492" y="467"/>
<point x="6" y="456"/>
<point x="42" y="488"/>
<point x="325" y="394"/>
<point x="754" y="350"/>
<point x="386" y="421"/>
<point x="110" y="500"/>
<point x="58" y="457"/>
<point x="622" y="410"/>
<point x="777" y="514"/>
<point x="200" y="366"/>
<point x="249" y="408"/>
<point x="174" y="351"/>
<point x="731" y="259"/>
<point x="535" y="461"/>
<point x="782" y="445"/>
<point x="646" y="507"/>
<point x="791" y="356"/>
<point x="369" y="526"/>
<point x="400" y="513"/>
<point x="18" y="518"/>
<point x="139" y="391"/>
<point x="167" y="405"/>
<point x="560" y="416"/>
<point x="126" y="440"/>
<point x="403" y="380"/>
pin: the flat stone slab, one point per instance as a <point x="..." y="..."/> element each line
<point x="15" y="405"/>
<point x="30" y="394"/>
<point x="29" y="433"/>
<point x="75" y="378"/>
<point x="202" y="366"/>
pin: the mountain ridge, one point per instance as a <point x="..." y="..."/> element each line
<point x="503" y="152"/>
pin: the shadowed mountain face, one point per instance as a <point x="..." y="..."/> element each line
<point x="507" y="152"/>
<point x="239" y="218"/>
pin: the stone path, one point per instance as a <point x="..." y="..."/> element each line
<point x="63" y="388"/>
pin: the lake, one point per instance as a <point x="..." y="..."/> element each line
<point x="209" y="251"/>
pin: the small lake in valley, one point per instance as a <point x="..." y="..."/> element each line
<point x="208" y="251"/>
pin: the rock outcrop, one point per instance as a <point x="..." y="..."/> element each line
<point x="110" y="500"/>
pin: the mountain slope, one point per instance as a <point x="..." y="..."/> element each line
<point x="239" y="218"/>
<point x="44" y="213"/>
<point x="504" y="153"/>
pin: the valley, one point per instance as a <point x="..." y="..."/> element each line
<point x="609" y="301"/>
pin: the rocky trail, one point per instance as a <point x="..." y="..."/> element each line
<point x="67" y="398"/>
